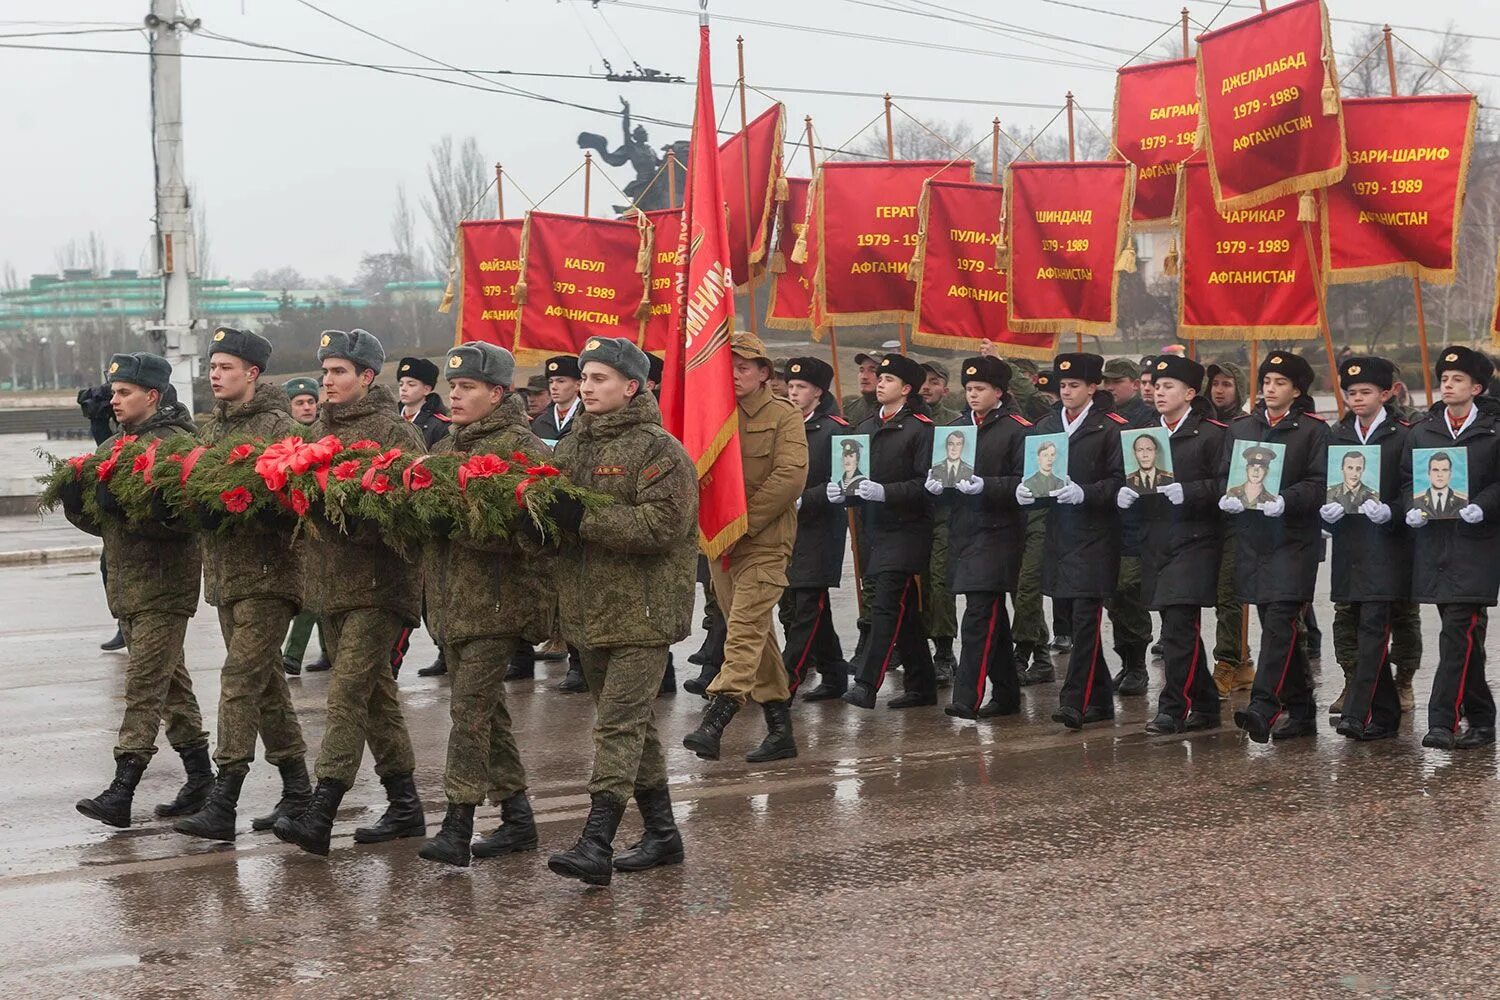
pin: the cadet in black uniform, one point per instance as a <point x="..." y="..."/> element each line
<point x="1455" y="565"/>
<point x="1081" y="560"/>
<point x="1277" y="541"/>
<point x="421" y="406"/>
<point x="1180" y="542"/>
<point x="898" y="523"/>
<point x="563" y="381"/>
<point x="987" y="531"/>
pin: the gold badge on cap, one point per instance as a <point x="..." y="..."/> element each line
<point x="218" y="335"/>
<point x="1160" y="365"/>
<point x="1065" y="366"/>
<point x="1451" y="357"/>
<point x="971" y="370"/>
<point x="406" y="368"/>
<point x="592" y="345"/>
<point x="455" y="361"/>
<point x="552" y="367"/>
<point x="114" y="366"/>
<point x="1275" y="359"/>
<point x="326" y="340"/>
<point x="796" y="368"/>
<point x="1353" y="369"/>
<point x="885" y="362"/>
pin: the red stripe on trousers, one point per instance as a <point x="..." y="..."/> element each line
<point x="1291" y="651"/>
<point x="984" y="663"/>
<point x="1088" y="688"/>
<point x="1385" y="658"/>
<point x="1463" y="678"/>
<point x="398" y="652"/>
<point x="807" y="649"/>
<point x="1187" y="687"/>
<point x="895" y="636"/>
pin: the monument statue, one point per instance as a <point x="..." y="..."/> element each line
<point x="638" y="153"/>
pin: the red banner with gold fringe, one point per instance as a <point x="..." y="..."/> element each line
<point x="658" y="325"/>
<point x="1396" y="211"/>
<point x="961" y="296"/>
<point x="790" y="307"/>
<point x="489" y="264"/>
<point x="760" y="141"/>
<point x="1156" y="128"/>
<point x="1066" y="230"/>
<point x="581" y="278"/>
<point x="1271" y="111"/>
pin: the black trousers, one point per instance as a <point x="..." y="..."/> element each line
<point x="810" y="636"/>
<point x="1370" y="695"/>
<point x="1087" y="684"/>
<point x="1062" y="616"/>
<point x="1189" y="685"/>
<point x="986" y="653"/>
<point x="1282" y="682"/>
<point x="896" y="626"/>
<point x="1459" y="689"/>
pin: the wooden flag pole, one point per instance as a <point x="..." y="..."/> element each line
<point x="1187" y="42"/>
<point x="499" y="192"/>
<point x="1416" y="283"/>
<point x="995" y="153"/>
<point x="1073" y="156"/>
<point x="1319" y="291"/>
<point x="890" y="154"/>
<point x="671" y="177"/>
<point x="745" y="171"/>
<point x="588" y="176"/>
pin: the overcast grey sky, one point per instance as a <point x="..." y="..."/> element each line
<point x="298" y="165"/>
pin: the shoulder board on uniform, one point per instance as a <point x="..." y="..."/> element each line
<point x="443" y="417"/>
<point x="1317" y="416"/>
<point x="1243" y="416"/>
<point x="923" y="417"/>
<point x="1116" y="417"/>
<point x="838" y="420"/>
<point x="1403" y="423"/>
<point x="1020" y="419"/>
<point x="1216" y="423"/>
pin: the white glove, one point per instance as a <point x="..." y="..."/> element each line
<point x="1173" y="492"/>
<point x="1377" y="512"/>
<point x="869" y="489"/>
<point x="1472" y="514"/>
<point x="1024" y="497"/>
<point x="1231" y="505"/>
<point x="835" y="493"/>
<point x="797" y="505"/>
<point x="1071" y="494"/>
<point x="1275" y="508"/>
<point x="1415" y="518"/>
<point x="1126" y="498"/>
<point x="933" y="486"/>
<point x="1331" y="512"/>
<point x="971" y="487"/>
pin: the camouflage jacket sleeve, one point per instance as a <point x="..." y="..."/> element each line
<point x="788" y="475"/>
<point x="666" y="500"/>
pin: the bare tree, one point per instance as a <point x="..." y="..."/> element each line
<point x="10" y="279"/>
<point x="404" y="236"/>
<point x="1423" y="74"/>
<point x="89" y="252"/>
<point x="200" y="236"/>
<point x="457" y="178"/>
<point x="280" y="279"/>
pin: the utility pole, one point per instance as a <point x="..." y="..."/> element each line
<point x="176" y="253"/>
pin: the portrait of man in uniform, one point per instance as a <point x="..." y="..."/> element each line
<point x="1440" y="481"/>
<point x="1255" y="475"/>
<point x="1046" y="464"/>
<point x="953" y="455"/>
<point x="851" y="456"/>
<point x="1351" y="469"/>
<point x="1148" y="460"/>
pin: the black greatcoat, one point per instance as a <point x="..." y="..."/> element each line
<point x="1457" y="562"/>
<point x="1276" y="558"/>
<point x="1180" y="543"/>
<point x="432" y="420"/>
<point x="1081" y="557"/>
<point x="899" y="529"/>
<point x="1372" y="562"/>
<point x="986" y="532"/>
<point x="818" y="556"/>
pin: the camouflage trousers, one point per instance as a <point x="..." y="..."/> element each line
<point x="1127" y="615"/>
<point x="363" y="702"/>
<point x="157" y="687"/>
<point x="1030" y="624"/>
<point x="482" y="753"/>
<point x="939" y="609"/>
<point x="253" y="696"/>
<point x="1229" y="613"/>
<point x="748" y="592"/>
<point x="623" y="681"/>
<point x="1406" y="635"/>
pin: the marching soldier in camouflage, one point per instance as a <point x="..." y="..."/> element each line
<point x="939" y="608"/>
<point x="302" y="392"/>
<point x="625" y="583"/>
<point x="482" y="598"/>
<point x="253" y="577"/>
<point x="152" y="588"/>
<point x="750" y="579"/>
<point x="364" y="596"/>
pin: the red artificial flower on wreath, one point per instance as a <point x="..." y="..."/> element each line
<point x="379" y="484"/>
<point x="273" y="463"/>
<point x="543" y="470"/>
<point x="237" y="500"/>
<point x="146" y="460"/>
<point x="300" y="506"/>
<point x="315" y="454"/>
<point x="345" y="471"/>
<point x="239" y="453"/>
<point x="481" y="467"/>
<point x="77" y="462"/>
<point x="105" y="469"/>
<point x="521" y="457"/>
<point x="365" y="445"/>
<point x="417" y="476"/>
<point x="386" y="459"/>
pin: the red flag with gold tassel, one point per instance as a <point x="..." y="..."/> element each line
<point x="1156" y="128"/>
<point x="790" y="307"/>
<point x="489" y="265"/>
<point x="760" y="143"/>
<point x="699" y="365"/>
<point x="659" y="319"/>
<point x="580" y="278"/>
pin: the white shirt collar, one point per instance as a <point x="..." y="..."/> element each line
<point x="562" y="420"/>
<point x="1070" y="426"/>
<point x="1473" y="413"/>
<point x="1363" y="435"/>
<point x="1170" y="430"/>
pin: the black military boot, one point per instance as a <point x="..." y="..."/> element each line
<point x="661" y="844"/>
<point x="451" y="845"/>
<point x="1039" y="671"/>
<point x="834" y="682"/>
<point x="112" y="806"/>
<point x="591" y="859"/>
<point x="522" y="665"/>
<point x="321" y="665"/>
<point x="943" y="663"/>
<point x="215" y="821"/>
<point x="778" y="744"/>
<point x="699" y="685"/>
<point x="516" y="832"/>
<point x="860" y="644"/>
<point x="114" y="642"/>
<point x="403" y="815"/>
<point x="312" y="829"/>
<point x="194" y="791"/>
<point x="704" y="741"/>
<point x="291" y="667"/>
<point x="1132" y="678"/>
<point x="668" y="679"/>
<point x="439" y="667"/>
<point x="296" y="793"/>
<point x="574" y="683"/>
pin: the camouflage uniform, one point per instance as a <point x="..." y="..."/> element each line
<point x="252" y="575"/>
<point x="152" y="572"/>
<point x="939" y="609"/>
<point x="480" y="598"/>
<point x="363" y="597"/>
<point x="626" y="589"/>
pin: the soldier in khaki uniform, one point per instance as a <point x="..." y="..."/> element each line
<point x="484" y="597"/>
<point x="152" y="572"/>
<point x="364" y="594"/>
<point x="625" y="587"/>
<point x="253" y="576"/>
<point x="773" y="449"/>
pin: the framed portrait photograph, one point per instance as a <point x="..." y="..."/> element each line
<point x="1046" y="464"/>
<point x="953" y="454"/>
<point x="1440" y="481"/>
<point x="851" y="460"/>
<point x="1255" y="472"/>
<point x="1148" y="459"/>
<point x="1353" y="475"/>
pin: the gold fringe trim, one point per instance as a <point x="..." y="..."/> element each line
<point x="725" y="434"/>
<point x="732" y="532"/>
<point x="1495" y="308"/>
<point x="1171" y="264"/>
<point x="1004" y="348"/>
<point x="785" y="323"/>
<point x="783" y="189"/>
<point x="1257" y="333"/>
<point x="531" y="355"/>
<point x="777" y="264"/>
<point x="1127" y="259"/>
<point x="455" y="277"/>
<point x="1395" y="269"/>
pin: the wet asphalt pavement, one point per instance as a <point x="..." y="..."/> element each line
<point x="902" y="854"/>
